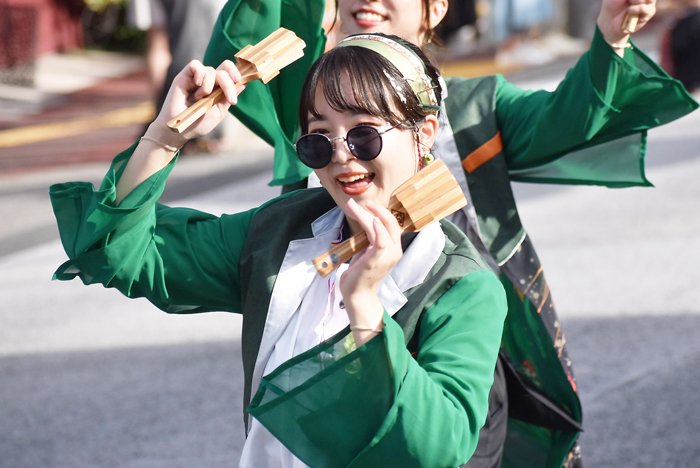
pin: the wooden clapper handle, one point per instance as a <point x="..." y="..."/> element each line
<point x="329" y="261"/>
<point x="629" y="23"/>
<point x="263" y="61"/>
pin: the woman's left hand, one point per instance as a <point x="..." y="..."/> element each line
<point x="359" y="284"/>
<point x="612" y="16"/>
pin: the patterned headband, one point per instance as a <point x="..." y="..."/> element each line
<point x="405" y="60"/>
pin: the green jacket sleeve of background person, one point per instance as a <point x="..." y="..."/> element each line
<point x="381" y="407"/>
<point x="121" y="247"/>
<point x="603" y="98"/>
<point x="271" y="110"/>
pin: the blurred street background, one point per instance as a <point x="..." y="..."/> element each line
<point x="91" y="379"/>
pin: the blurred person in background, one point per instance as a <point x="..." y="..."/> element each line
<point x="459" y="14"/>
<point x="680" y="46"/>
<point x="149" y="16"/>
<point x="177" y="33"/>
<point x="591" y="130"/>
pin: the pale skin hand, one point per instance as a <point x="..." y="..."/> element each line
<point x="194" y="82"/>
<point x="359" y="284"/>
<point x="612" y="15"/>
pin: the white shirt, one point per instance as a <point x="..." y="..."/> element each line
<point x="319" y="317"/>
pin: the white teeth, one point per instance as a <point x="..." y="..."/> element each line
<point x="352" y="178"/>
<point x="369" y="16"/>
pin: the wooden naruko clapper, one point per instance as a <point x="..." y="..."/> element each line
<point x="263" y="62"/>
<point x="426" y="197"/>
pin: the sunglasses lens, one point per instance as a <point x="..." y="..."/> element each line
<point x="365" y="142"/>
<point x="315" y="150"/>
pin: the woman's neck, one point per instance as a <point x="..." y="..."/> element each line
<point x="355" y="227"/>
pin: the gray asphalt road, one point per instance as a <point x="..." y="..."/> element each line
<point x="170" y="406"/>
<point x="638" y="378"/>
<point x="90" y="379"/>
<point x="180" y="405"/>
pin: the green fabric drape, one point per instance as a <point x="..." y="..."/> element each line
<point x="593" y="129"/>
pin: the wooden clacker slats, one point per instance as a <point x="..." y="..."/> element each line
<point x="262" y="61"/>
<point x="422" y="200"/>
<point x="447" y="204"/>
<point x="426" y="197"/>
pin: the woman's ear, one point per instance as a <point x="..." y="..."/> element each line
<point x="428" y="131"/>
<point x="438" y="10"/>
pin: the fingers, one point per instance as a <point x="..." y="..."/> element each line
<point x="199" y="81"/>
<point x="364" y="217"/>
<point x="643" y="10"/>
<point x="382" y="238"/>
<point x="614" y="23"/>
<point x="371" y="266"/>
<point x="387" y="218"/>
<point x="376" y="220"/>
<point x="178" y="96"/>
<point x="204" y="83"/>
<point x="227" y="75"/>
<point x="197" y="72"/>
<point x="383" y="231"/>
<point x="385" y="226"/>
<point x="189" y="78"/>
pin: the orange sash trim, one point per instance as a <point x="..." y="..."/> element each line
<point x="483" y="153"/>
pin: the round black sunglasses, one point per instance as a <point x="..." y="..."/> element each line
<point x="364" y="142"/>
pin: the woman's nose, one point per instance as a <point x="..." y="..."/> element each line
<point x="341" y="151"/>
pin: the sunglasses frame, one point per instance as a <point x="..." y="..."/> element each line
<point x="351" y="146"/>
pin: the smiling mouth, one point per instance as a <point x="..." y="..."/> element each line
<point x="368" y="17"/>
<point x="355" y="184"/>
<point x="353" y="178"/>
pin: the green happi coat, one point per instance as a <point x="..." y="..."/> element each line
<point x="334" y="405"/>
<point x="608" y="100"/>
<point x="591" y="130"/>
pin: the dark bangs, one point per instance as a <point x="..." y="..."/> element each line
<point x="374" y="82"/>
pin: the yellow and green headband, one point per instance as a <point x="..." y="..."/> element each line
<point x="405" y="60"/>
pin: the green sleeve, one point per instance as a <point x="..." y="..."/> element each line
<point x="378" y="406"/>
<point x="271" y="110"/>
<point x="182" y="260"/>
<point x="604" y="97"/>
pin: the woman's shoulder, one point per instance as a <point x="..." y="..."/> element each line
<point x="302" y="201"/>
<point x="294" y="211"/>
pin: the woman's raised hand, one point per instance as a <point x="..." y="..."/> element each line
<point x="194" y="82"/>
<point x="359" y="284"/>
<point x="160" y="144"/>
<point x="612" y="16"/>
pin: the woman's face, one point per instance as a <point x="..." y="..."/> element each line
<point x="346" y="176"/>
<point x="403" y="18"/>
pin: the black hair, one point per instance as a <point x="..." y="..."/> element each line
<point x="374" y="81"/>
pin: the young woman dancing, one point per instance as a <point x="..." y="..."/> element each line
<point x="389" y="361"/>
